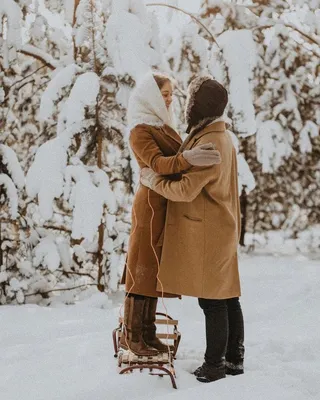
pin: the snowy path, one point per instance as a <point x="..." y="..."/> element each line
<point x="65" y="352"/>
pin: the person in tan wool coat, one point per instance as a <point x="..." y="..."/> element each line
<point x="155" y="144"/>
<point x="202" y="231"/>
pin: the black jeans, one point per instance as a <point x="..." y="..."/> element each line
<point x="224" y="331"/>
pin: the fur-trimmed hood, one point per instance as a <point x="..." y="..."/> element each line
<point x="192" y="90"/>
<point x="146" y="105"/>
<point x="206" y="102"/>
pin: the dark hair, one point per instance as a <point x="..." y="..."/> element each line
<point x="161" y="80"/>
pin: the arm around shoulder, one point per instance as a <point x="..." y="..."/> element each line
<point x="146" y="148"/>
<point x="189" y="187"/>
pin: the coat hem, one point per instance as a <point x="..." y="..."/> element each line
<point x="220" y="297"/>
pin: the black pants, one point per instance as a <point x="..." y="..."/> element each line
<point x="224" y="331"/>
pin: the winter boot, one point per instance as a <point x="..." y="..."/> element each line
<point x="149" y="326"/>
<point x="132" y="334"/>
<point x="210" y="373"/>
<point x="235" y="349"/>
<point x="216" y="317"/>
<point x="234" y="369"/>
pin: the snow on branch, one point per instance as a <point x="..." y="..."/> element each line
<point x="310" y="130"/>
<point x="197" y="20"/>
<point x="83" y="95"/>
<point x="87" y="197"/>
<point x="10" y="29"/>
<point x="10" y="159"/>
<point x="40" y="55"/>
<point x="246" y="178"/>
<point x="51" y="95"/>
<point x="273" y="145"/>
<point x="290" y="104"/>
<point x="239" y="52"/>
<point x="12" y="194"/>
<point x="47" y="254"/>
<point x="45" y="176"/>
<point x="130" y="49"/>
<point x="2" y="95"/>
<point x="311" y="39"/>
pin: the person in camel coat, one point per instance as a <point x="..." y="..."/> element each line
<point x="155" y="144"/>
<point x="202" y="231"/>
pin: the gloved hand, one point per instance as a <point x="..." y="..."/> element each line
<point x="147" y="177"/>
<point x="203" y="156"/>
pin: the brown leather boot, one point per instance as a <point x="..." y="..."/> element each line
<point x="132" y="334"/>
<point x="149" y="326"/>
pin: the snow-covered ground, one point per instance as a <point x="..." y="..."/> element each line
<point x="65" y="352"/>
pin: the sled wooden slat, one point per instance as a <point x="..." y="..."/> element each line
<point x="167" y="336"/>
<point x="129" y="358"/>
<point x="172" y="336"/>
<point x="159" y="321"/>
<point x="167" y="322"/>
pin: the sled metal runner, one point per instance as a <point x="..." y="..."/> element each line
<point x="162" y="362"/>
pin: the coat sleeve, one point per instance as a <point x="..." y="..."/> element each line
<point x="190" y="185"/>
<point x="146" y="148"/>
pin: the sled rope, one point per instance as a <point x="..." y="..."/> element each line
<point x="158" y="278"/>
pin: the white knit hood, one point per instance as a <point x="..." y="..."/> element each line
<point x="146" y="105"/>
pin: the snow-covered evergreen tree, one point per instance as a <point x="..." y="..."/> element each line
<point x="79" y="184"/>
<point x="22" y="73"/>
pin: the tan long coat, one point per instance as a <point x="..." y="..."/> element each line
<point x="199" y="254"/>
<point x="155" y="148"/>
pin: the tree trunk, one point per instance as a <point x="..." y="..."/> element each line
<point x="101" y="226"/>
<point x="243" y="209"/>
<point x="76" y="3"/>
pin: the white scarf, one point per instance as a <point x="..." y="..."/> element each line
<point x="146" y="105"/>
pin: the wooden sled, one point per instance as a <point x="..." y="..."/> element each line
<point x="162" y="363"/>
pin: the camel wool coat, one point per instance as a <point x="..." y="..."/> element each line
<point x="154" y="147"/>
<point x="199" y="254"/>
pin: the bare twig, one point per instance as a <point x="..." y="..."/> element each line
<point x="39" y="88"/>
<point x="76" y="273"/>
<point x="21" y="80"/>
<point x="39" y="58"/>
<point x="57" y="228"/>
<point x="310" y="38"/>
<point x="187" y="13"/>
<point x="26" y="83"/>
<point x="59" y="290"/>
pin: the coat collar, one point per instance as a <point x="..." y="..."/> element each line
<point x="217" y="126"/>
<point x="167" y="130"/>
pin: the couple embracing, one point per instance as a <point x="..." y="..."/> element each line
<point x="185" y="221"/>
